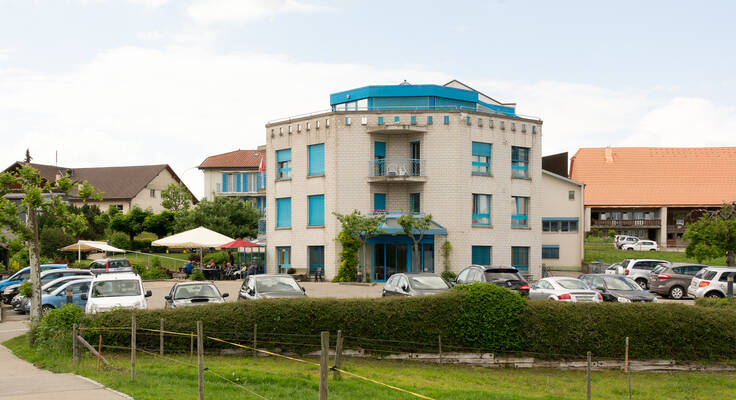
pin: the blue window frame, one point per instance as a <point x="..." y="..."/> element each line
<point x="481" y="209"/>
<point x="429" y="120"/>
<point x="283" y="212"/>
<point x="397" y="119"/>
<point x="380" y="120"/>
<point x="482" y="158"/>
<point x="467" y="121"/>
<point x="519" y="162"/>
<point x="551" y="251"/>
<point x="521" y="216"/>
<point x="283" y="163"/>
<point x="316" y="258"/>
<point x="413" y="120"/>
<point x="316" y="154"/>
<point x="316" y="210"/>
<point x="283" y="258"/>
<point x="481" y="255"/>
<point x="446" y="120"/>
<point x="414" y="202"/>
<point x="520" y="257"/>
<point x="379" y="202"/>
<point x="559" y="224"/>
<point x="347" y="120"/>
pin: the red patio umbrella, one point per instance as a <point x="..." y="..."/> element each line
<point x="238" y="243"/>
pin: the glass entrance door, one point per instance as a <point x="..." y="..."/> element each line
<point x="389" y="259"/>
<point x="283" y="257"/>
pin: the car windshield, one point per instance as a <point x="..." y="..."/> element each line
<point x="572" y="284"/>
<point x="502" y="275"/>
<point x="613" y="266"/>
<point x="54" y="285"/>
<point x="625" y="263"/>
<point x="427" y="283"/>
<point x="198" y="290"/>
<point x="20" y="276"/>
<point x="277" y="284"/>
<point x="116" y="288"/>
<point x="621" y="284"/>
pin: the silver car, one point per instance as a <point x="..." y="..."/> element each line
<point x="270" y="287"/>
<point x="192" y="294"/>
<point x="711" y="282"/>
<point x="639" y="269"/>
<point x="561" y="288"/>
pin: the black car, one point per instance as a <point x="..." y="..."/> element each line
<point x="618" y="288"/>
<point x="414" y="284"/>
<point x="507" y="277"/>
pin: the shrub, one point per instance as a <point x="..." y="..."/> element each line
<point x="489" y="317"/>
<point x="51" y="239"/>
<point x="715" y="303"/>
<point x="52" y="334"/>
<point x="197" y="275"/>
<point x="138" y="269"/>
<point x="220" y="257"/>
<point x="348" y="271"/>
<point x="143" y="245"/>
<point x="448" y="275"/>
<point x="25" y="289"/>
<point x="154" y="273"/>
<point x="156" y="263"/>
<point x="120" y="240"/>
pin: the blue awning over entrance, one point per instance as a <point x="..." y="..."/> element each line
<point x="392" y="227"/>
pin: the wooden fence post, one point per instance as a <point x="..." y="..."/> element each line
<point x="75" y="345"/>
<point x="626" y="356"/>
<point x="439" y="343"/>
<point x="200" y="360"/>
<point x="255" y="342"/>
<point x="99" y="354"/>
<point x="323" y="368"/>
<point x="338" y="356"/>
<point x="132" y="348"/>
<point x="161" y="339"/>
<point x="589" y="366"/>
<point x="191" y="346"/>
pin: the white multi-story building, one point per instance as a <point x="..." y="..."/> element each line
<point x="563" y="210"/>
<point x="470" y="161"/>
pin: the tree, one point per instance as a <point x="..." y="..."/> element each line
<point x="713" y="235"/>
<point x="161" y="224"/>
<point x="176" y="198"/>
<point x="39" y="197"/>
<point x="360" y="227"/>
<point x="414" y="227"/>
<point x="131" y="222"/>
<point x="227" y="215"/>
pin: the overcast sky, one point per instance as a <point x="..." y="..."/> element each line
<point x="126" y="82"/>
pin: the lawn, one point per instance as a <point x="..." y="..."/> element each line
<point x="604" y="251"/>
<point x="276" y="378"/>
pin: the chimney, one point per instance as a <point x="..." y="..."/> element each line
<point x="609" y="154"/>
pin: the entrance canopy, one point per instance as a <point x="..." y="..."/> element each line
<point x="392" y="227"/>
<point x="195" y="238"/>
<point x="89" y="245"/>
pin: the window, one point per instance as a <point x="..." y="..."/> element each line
<point x="283" y="163"/>
<point x="523" y="128"/>
<point x="414" y="202"/>
<point x="480" y="122"/>
<point x="283" y="212"/>
<point x="397" y="119"/>
<point x="327" y="122"/>
<point x="316" y="155"/>
<point x="309" y="126"/>
<point x="513" y="126"/>
<point x="502" y="125"/>
<point x="520" y="257"/>
<point x="289" y="128"/>
<point x="481" y="209"/>
<point x="316" y="210"/>
<point x="571" y="195"/>
<point x="446" y="119"/>
<point x="521" y="217"/>
<point x="347" y="120"/>
<point x="490" y="123"/>
<point x="481" y="255"/>
<point x="152" y="192"/>
<point x="534" y="129"/>
<point x="481" y="158"/>
<point x="299" y="127"/>
<point x="316" y="258"/>
<point x="379" y="202"/>
<point x="316" y="124"/>
<point x="559" y="224"/>
<point x="467" y="121"/>
<point x="550" y="251"/>
<point x="429" y="120"/>
<point x="413" y="120"/>
<point x="118" y="206"/>
<point x="519" y="162"/>
<point x="283" y="258"/>
<point x="380" y="120"/>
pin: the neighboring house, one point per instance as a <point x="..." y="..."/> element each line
<point x="562" y="215"/>
<point x="239" y="173"/>
<point x="449" y="151"/>
<point x="648" y="192"/>
<point x="121" y="187"/>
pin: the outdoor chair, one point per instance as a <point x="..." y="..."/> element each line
<point x="317" y="273"/>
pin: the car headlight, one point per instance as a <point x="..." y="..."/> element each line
<point x="623" y="300"/>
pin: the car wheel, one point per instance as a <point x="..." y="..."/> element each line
<point x="652" y="249"/>
<point x="677" y="293"/>
<point x="714" y="295"/>
<point x="630" y="249"/>
<point x="46" y="308"/>
<point x="642" y="283"/>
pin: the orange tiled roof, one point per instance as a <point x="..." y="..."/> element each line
<point x="656" y="176"/>
<point x="235" y="159"/>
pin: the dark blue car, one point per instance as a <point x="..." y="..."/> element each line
<point x="23" y="275"/>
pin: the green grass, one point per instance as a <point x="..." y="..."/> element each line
<point x="604" y="251"/>
<point x="276" y="378"/>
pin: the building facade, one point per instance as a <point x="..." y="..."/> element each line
<point x="563" y="211"/>
<point x="449" y="151"/>
<point x="239" y="174"/>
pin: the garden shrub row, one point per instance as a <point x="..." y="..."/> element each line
<point x="477" y="316"/>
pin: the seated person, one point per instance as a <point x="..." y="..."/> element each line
<point x="188" y="268"/>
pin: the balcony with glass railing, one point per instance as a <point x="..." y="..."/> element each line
<point x="397" y="170"/>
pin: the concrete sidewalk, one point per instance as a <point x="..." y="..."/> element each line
<point x="21" y="380"/>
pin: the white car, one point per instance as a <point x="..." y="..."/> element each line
<point x="642" y="245"/>
<point x="622" y="240"/>
<point x="116" y="290"/>
<point x="563" y="289"/>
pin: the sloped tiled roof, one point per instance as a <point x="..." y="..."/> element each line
<point x="235" y="159"/>
<point x="656" y="176"/>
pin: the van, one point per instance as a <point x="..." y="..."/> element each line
<point x="116" y="290"/>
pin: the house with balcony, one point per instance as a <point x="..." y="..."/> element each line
<point x="470" y="161"/>
<point x="239" y="173"/>
<point x="652" y="192"/>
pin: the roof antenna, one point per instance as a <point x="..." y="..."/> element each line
<point x="404" y="83"/>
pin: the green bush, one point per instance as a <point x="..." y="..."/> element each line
<point x="154" y="273"/>
<point x="220" y="257"/>
<point x="143" y="245"/>
<point x="490" y="317"/>
<point x="197" y="275"/>
<point x="51" y="239"/>
<point x="120" y="240"/>
<point x="138" y="268"/>
<point x="52" y="334"/>
<point x="348" y="271"/>
<point x="715" y="303"/>
<point x="25" y="289"/>
<point x="448" y="275"/>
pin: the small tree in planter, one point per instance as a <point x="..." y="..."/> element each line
<point x="415" y="228"/>
<point x="356" y="230"/>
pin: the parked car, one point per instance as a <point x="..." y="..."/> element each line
<point x="110" y="291"/>
<point x="507" y="277"/>
<point x="563" y="289"/>
<point x="641" y="245"/>
<point x="414" y="284"/>
<point x="57" y="298"/>
<point x="47" y="275"/>
<point x="615" y="269"/>
<point x="617" y="288"/>
<point x="621" y="240"/>
<point x="639" y="269"/>
<point x="120" y="264"/>
<point x="673" y="280"/>
<point x="711" y="282"/>
<point x="49" y="282"/>
<point x="23" y="275"/>
<point x="187" y="294"/>
<point x="270" y="287"/>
